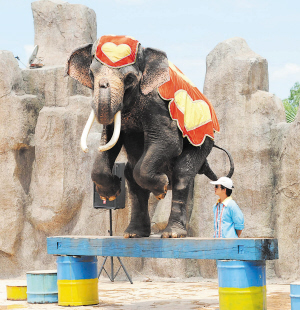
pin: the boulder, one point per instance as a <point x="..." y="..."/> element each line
<point x="51" y="87"/>
<point x="10" y="73"/>
<point x="61" y="27"/>
<point x="61" y="171"/>
<point x="18" y="116"/>
<point x="287" y="189"/>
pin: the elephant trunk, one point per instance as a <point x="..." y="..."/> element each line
<point x="108" y="98"/>
<point x="108" y="102"/>
<point x="103" y="103"/>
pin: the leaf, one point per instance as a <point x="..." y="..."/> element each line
<point x="294" y="97"/>
<point x="290" y="110"/>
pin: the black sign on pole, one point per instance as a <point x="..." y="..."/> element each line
<point x="119" y="202"/>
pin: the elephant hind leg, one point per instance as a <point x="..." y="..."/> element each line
<point x="186" y="167"/>
<point x="176" y="227"/>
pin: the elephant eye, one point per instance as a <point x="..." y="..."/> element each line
<point x="129" y="79"/>
<point x="91" y="76"/>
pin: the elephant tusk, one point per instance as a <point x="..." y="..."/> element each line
<point x="86" y="131"/>
<point x="115" y="137"/>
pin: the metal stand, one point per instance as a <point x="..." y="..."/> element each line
<point x="113" y="275"/>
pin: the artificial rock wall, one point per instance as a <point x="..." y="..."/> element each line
<point x="46" y="187"/>
<point x="237" y="84"/>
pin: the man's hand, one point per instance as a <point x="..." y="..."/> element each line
<point x="238" y="232"/>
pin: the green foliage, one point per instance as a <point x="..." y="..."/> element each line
<point x="290" y="111"/>
<point x="291" y="104"/>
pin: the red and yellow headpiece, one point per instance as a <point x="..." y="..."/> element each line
<point x="117" y="51"/>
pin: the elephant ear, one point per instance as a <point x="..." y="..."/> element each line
<point x="155" y="71"/>
<point x="78" y="65"/>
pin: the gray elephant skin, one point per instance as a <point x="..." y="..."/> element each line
<point x="125" y="79"/>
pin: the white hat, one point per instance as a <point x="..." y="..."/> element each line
<point x="226" y="182"/>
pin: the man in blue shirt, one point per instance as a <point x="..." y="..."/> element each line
<point x="228" y="217"/>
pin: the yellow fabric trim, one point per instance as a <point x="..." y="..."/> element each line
<point x="212" y="138"/>
<point x="78" y="292"/>
<point x="116" y="52"/>
<point x="250" y="298"/>
<point x="130" y="37"/>
<point x="196" y="113"/>
<point x="172" y="66"/>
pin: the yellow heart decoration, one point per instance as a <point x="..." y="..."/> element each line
<point x="116" y="52"/>
<point x="196" y="113"/>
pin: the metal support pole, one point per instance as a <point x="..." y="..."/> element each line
<point x="124" y="270"/>
<point x="112" y="268"/>
<point x="113" y="275"/>
<point x="110" y="222"/>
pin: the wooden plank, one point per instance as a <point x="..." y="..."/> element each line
<point x="195" y="248"/>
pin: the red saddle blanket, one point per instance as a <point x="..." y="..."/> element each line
<point x="193" y="112"/>
<point x="195" y="116"/>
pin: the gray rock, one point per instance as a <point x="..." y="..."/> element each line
<point x="18" y="116"/>
<point x="61" y="27"/>
<point x="10" y="73"/>
<point x="51" y="87"/>
<point x="285" y="198"/>
<point x="60" y="171"/>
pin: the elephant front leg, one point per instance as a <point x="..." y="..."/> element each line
<point x="148" y="174"/>
<point x="108" y="185"/>
<point x="159" y="151"/>
<point x="139" y="225"/>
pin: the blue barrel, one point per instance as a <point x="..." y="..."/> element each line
<point x="42" y="286"/>
<point x="77" y="280"/>
<point x="242" y="285"/>
<point x="295" y="295"/>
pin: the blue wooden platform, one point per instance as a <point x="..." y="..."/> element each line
<point x="154" y="246"/>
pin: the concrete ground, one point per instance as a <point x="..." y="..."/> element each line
<point x="155" y="293"/>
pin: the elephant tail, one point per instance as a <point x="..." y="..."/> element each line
<point x="230" y="173"/>
<point x="206" y="170"/>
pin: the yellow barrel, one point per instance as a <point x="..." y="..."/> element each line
<point x="16" y="292"/>
<point x="77" y="280"/>
<point x="242" y="285"/>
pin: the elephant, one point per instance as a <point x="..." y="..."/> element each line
<point x="133" y="98"/>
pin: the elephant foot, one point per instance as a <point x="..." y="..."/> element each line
<point x="109" y="192"/>
<point x="162" y="195"/>
<point x="132" y="231"/>
<point x="111" y="198"/>
<point x="174" y="230"/>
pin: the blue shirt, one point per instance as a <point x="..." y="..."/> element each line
<point x="227" y="218"/>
